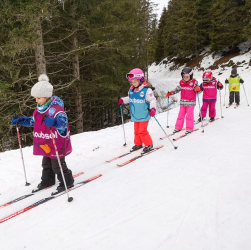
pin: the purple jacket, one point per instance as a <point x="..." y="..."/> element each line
<point x="43" y="144"/>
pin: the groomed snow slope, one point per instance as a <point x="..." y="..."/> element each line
<point x="193" y="198"/>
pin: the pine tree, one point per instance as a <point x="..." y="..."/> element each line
<point x="160" y="45"/>
<point x="228" y="21"/>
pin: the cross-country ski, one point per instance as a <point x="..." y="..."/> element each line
<point x="139" y="156"/>
<point x="80" y="184"/>
<point x="28" y="195"/>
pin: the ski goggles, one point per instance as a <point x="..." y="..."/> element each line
<point x="131" y="75"/>
<point x="186" y="74"/>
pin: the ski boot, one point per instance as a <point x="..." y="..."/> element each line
<point x="176" y="131"/>
<point x="135" y="147"/>
<point x="61" y="187"/>
<point x="211" y="119"/>
<point x="68" y="179"/>
<point x="42" y="185"/>
<point x="200" y="120"/>
<point x="188" y="132"/>
<point x="147" y="149"/>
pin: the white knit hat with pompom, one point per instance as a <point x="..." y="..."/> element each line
<point x="42" y="88"/>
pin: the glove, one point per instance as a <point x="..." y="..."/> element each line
<point x="226" y="81"/>
<point x="22" y="120"/>
<point x="152" y="112"/>
<point x="220" y="85"/>
<point x="169" y="93"/>
<point x="120" y="101"/>
<point x="241" y="81"/>
<point x="197" y="89"/>
<point x="15" y="120"/>
<point x="49" y="121"/>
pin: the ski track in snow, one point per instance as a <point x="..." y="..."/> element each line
<point x="196" y="197"/>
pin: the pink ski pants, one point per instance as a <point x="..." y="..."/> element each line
<point x="189" y="113"/>
<point x="212" y="110"/>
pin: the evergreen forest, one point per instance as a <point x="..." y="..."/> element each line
<point x="188" y="26"/>
<point x="86" y="47"/>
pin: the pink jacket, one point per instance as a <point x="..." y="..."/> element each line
<point x="209" y="90"/>
<point x="188" y="94"/>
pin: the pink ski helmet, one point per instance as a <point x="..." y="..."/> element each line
<point x="136" y="74"/>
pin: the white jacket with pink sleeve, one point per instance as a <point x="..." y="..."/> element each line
<point x="150" y="98"/>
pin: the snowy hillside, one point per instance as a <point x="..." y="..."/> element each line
<point x="196" y="197"/>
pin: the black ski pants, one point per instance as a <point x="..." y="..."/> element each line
<point x="51" y="167"/>
<point x="234" y="96"/>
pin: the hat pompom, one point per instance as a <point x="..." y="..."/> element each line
<point x="43" y="78"/>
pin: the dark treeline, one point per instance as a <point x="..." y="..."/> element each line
<point x="85" y="46"/>
<point x="188" y="26"/>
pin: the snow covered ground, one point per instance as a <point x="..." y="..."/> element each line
<point x="193" y="198"/>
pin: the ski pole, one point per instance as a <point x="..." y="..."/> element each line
<point x="225" y="95"/>
<point x="245" y="93"/>
<point x="122" y="118"/>
<point x="59" y="163"/>
<point x="200" y="113"/>
<point x="21" y="152"/>
<point x="220" y="104"/>
<point x="175" y="147"/>
<point x="167" y="111"/>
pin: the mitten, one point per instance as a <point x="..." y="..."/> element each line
<point x="49" y="121"/>
<point x="120" y="101"/>
<point x="197" y="89"/>
<point x="152" y="112"/>
<point x="220" y="85"/>
<point x="169" y="93"/>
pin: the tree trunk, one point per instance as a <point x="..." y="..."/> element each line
<point x="39" y="51"/>
<point x="76" y="74"/>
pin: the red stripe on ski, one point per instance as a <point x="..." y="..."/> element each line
<point x="209" y="122"/>
<point x="28" y="195"/>
<point x="118" y="157"/>
<point x="77" y="175"/>
<point x="139" y="156"/>
<point x="121" y="156"/>
<point x="94" y="178"/>
<point x="182" y="136"/>
<point x="46" y="199"/>
<point x="164" y="137"/>
<point x="16" y="214"/>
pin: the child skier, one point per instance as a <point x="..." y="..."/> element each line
<point x="49" y="113"/>
<point x="234" y="87"/>
<point x="188" y="87"/>
<point x="209" y="87"/>
<point x="142" y="107"/>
